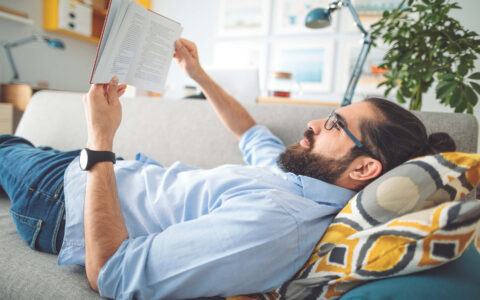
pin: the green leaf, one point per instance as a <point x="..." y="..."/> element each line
<point x="387" y="91"/>
<point x="475" y="76"/>
<point x="400" y="98"/>
<point x="463" y="69"/>
<point x="406" y="91"/>
<point x="461" y="107"/>
<point x="471" y="96"/>
<point x="456" y="97"/>
<point x="469" y="109"/>
<point x="475" y="86"/>
<point x="446" y="76"/>
<point x="441" y="84"/>
<point x="446" y="90"/>
<point x="420" y="7"/>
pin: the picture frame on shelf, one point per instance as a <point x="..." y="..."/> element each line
<point x="309" y="62"/>
<point x="243" y="18"/>
<point x="369" y="12"/>
<point x="242" y="54"/>
<point x="371" y="75"/>
<point x="289" y="17"/>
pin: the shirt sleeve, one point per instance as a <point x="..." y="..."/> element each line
<point x="237" y="249"/>
<point x="260" y="147"/>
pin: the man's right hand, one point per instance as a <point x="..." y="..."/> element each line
<point x="187" y="57"/>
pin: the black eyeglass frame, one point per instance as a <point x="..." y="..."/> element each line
<point x="338" y="122"/>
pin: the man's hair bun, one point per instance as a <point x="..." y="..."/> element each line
<point x="441" y="142"/>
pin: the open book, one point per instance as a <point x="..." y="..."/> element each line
<point x="136" y="45"/>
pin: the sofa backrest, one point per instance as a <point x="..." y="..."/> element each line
<point x="189" y="130"/>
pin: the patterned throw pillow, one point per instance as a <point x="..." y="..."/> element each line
<point x="413" y="218"/>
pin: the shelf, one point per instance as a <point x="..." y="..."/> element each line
<point x="279" y="100"/>
<point x="51" y="20"/>
<point x="91" y="39"/>
<point x="11" y="17"/>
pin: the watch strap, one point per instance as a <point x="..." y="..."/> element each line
<point x="93" y="157"/>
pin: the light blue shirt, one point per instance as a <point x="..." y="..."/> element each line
<point x="226" y="231"/>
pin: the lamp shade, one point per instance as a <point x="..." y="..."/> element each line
<point x="318" y="18"/>
<point x="54" y="43"/>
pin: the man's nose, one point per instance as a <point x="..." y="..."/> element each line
<point x="316" y="125"/>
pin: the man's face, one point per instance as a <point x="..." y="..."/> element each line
<point x="326" y="154"/>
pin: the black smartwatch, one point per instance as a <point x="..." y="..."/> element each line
<point x="88" y="158"/>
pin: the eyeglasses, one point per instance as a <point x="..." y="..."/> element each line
<point x="335" y="120"/>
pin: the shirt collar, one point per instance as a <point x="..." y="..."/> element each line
<point x="326" y="193"/>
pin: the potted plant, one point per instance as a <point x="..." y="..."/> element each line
<point x="429" y="47"/>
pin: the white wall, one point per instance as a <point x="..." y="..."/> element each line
<point x="69" y="69"/>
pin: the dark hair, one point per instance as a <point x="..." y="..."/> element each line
<point x="398" y="135"/>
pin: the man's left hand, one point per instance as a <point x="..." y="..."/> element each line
<point x="103" y="113"/>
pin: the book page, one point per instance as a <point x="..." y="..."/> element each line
<point x="155" y="53"/>
<point x="116" y="7"/>
<point x="105" y="56"/>
<point x="130" y="34"/>
<point x="139" y="48"/>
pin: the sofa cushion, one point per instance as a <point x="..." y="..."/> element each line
<point x="413" y="218"/>
<point x="27" y="274"/>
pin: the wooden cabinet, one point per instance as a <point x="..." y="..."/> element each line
<point x="6" y="118"/>
<point x="83" y="15"/>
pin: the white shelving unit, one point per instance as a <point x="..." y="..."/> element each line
<point x="12" y="17"/>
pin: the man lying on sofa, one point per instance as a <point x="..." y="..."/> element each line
<point x="148" y="232"/>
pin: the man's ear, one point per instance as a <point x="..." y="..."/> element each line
<point x="366" y="168"/>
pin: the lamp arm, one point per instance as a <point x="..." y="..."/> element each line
<point x="22" y="41"/>
<point x="357" y="70"/>
<point x="356" y="19"/>
<point x="8" y="48"/>
<point x="12" y="64"/>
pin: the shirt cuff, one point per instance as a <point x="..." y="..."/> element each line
<point x="249" y="134"/>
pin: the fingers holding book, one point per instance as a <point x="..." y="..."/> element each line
<point x="187" y="57"/>
<point x="103" y="113"/>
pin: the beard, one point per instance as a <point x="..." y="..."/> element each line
<point x="302" y="161"/>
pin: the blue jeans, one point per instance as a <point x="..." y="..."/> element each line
<point x="33" y="180"/>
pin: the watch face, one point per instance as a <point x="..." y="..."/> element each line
<point x="83" y="159"/>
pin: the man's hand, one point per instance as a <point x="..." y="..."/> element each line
<point x="187" y="57"/>
<point x="103" y="113"/>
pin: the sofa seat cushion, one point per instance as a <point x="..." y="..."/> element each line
<point x="28" y="274"/>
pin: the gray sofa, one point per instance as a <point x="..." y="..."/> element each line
<point x="166" y="130"/>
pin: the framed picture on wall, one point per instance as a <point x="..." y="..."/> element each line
<point x="289" y="16"/>
<point x="241" y="54"/>
<point x="372" y="74"/>
<point x="243" y="18"/>
<point x="369" y="12"/>
<point x="310" y="63"/>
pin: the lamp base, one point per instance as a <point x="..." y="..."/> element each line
<point x="18" y="94"/>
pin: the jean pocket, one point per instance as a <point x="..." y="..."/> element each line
<point x="27" y="227"/>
